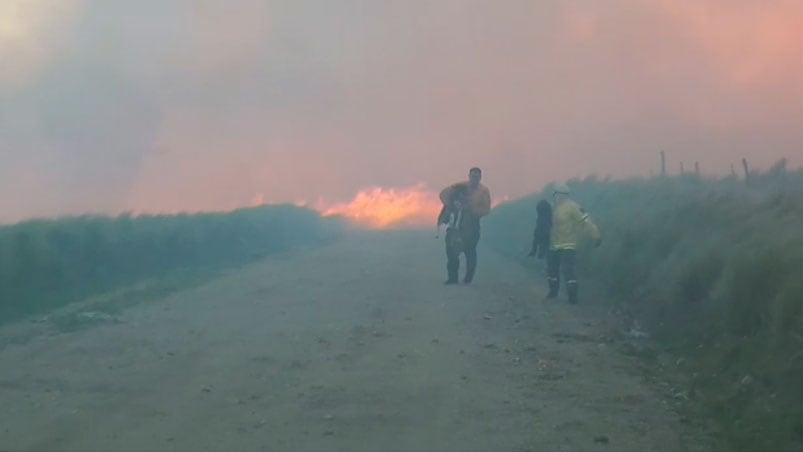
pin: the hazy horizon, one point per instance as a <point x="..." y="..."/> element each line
<point x="166" y="106"/>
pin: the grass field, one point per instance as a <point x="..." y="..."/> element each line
<point x="45" y="264"/>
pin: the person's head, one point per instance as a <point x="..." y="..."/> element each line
<point x="474" y="176"/>
<point x="560" y="191"/>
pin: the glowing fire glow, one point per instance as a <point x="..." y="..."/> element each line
<point x="381" y="208"/>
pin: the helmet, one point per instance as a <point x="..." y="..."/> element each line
<point x="560" y="189"/>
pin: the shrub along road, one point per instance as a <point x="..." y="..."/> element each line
<point x="353" y="346"/>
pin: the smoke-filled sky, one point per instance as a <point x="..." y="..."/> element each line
<point x="186" y="105"/>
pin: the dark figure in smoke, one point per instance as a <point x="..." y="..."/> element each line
<point x="543" y="228"/>
<point x="569" y="224"/>
<point x="464" y="203"/>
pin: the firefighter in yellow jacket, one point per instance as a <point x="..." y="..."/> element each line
<point x="469" y="201"/>
<point x="570" y="223"/>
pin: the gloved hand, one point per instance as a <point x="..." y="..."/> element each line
<point x="597" y="243"/>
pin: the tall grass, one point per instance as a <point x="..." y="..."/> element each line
<point x="45" y="264"/>
<point x="714" y="268"/>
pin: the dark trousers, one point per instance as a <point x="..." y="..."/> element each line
<point x="565" y="260"/>
<point x="458" y="242"/>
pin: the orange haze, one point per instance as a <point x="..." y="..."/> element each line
<point x="383" y="208"/>
<point x="378" y="207"/>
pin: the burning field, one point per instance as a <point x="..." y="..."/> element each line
<point x="383" y="208"/>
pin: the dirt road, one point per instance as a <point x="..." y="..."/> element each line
<point x="355" y="346"/>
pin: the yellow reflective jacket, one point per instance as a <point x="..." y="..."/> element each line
<point x="479" y="199"/>
<point x="569" y="223"/>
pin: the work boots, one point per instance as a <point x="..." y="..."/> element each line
<point x="554" y="285"/>
<point x="571" y="290"/>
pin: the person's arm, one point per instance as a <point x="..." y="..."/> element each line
<point x="536" y="241"/>
<point x="482" y="203"/>
<point x="591" y="229"/>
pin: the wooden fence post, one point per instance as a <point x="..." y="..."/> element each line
<point x="746" y="171"/>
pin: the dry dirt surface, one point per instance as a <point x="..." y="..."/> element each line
<point x="357" y="346"/>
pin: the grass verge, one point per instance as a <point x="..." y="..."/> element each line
<point x="45" y="264"/>
<point x="713" y="269"/>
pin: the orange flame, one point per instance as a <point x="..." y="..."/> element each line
<point x="381" y="208"/>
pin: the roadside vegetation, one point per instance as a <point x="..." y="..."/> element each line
<point x="45" y="264"/>
<point x="712" y="269"/>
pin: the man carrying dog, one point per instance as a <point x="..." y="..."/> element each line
<point x="464" y="204"/>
